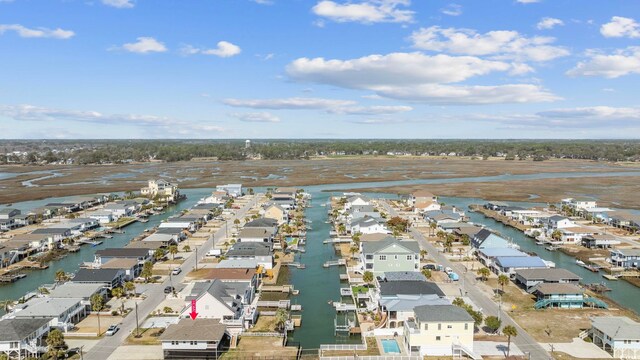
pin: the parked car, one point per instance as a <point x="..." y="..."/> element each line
<point x="169" y="289"/>
<point x="430" y="267"/>
<point x="176" y="271"/>
<point x="112" y="330"/>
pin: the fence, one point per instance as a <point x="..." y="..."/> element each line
<point x="372" y="357"/>
<point x="341" y="347"/>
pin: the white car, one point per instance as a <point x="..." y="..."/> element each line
<point x="112" y="330"/>
<point x="176" y="271"/>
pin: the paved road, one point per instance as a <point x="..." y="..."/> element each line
<point x="467" y="282"/>
<point x="155" y="295"/>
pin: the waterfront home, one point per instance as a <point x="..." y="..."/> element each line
<point x="399" y="308"/>
<point x="195" y="339"/>
<point x="601" y="241"/>
<point x="625" y="258"/>
<point x="131" y="267"/>
<point x="390" y="255"/>
<point x="109" y="278"/>
<point x="38" y="242"/>
<point x="120" y="210"/>
<point x="602" y="214"/>
<point x="103" y="216"/>
<point x="243" y="279"/>
<point x="496" y="205"/>
<point x="287" y="204"/>
<point x="64" y="207"/>
<point x="439" y="330"/>
<point x="264" y="222"/>
<point x="79" y="225"/>
<point x="57" y="234"/>
<point x="360" y="211"/>
<point x="451" y="228"/>
<point x="529" y="278"/>
<point x="423" y="201"/>
<point x="7" y="218"/>
<point x="261" y="252"/>
<point x="233" y="190"/>
<point x="626" y="221"/>
<point x="390" y="276"/>
<point x="579" y="203"/>
<point x="618" y="335"/>
<point x="470" y="231"/>
<point x="531" y="217"/>
<point x="180" y="223"/>
<point x="440" y="217"/>
<point x="368" y="225"/>
<point x="509" y="264"/>
<point x="276" y="212"/>
<point x="62" y="313"/>
<point x="177" y="233"/>
<point x="255" y="235"/>
<point x="161" y="189"/>
<point x="104" y="255"/>
<point x="558" y="222"/>
<point x="374" y="237"/>
<point x="12" y="251"/>
<point x="149" y="246"/>
<point x="574" y="234"/>
<point x="164" y="240"/>
<point x="84" y="292"/>
<point x="237" y="264"/>
<point x="393" y="289"/>
<point x="219" y="300"/>
<point x="23" y="338"/>
<point x="356" y="200"/>
<point x="217" y="197"/>
<point x="488" y="256"/>
<point x="485" y="239"/>
<point x="566" y="296"/>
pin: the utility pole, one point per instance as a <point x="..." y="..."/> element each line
<point x="196" y="258"/>
<point x="137" y="324"/>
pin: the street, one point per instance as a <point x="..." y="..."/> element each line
<point x="155" y="295"/>
<point x="467" y="282"/>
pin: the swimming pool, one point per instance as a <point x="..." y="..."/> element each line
<point x="390" y="346"/>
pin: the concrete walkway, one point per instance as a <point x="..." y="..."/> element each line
<point x="495" y="348"/>
<point x="579" y="349"/>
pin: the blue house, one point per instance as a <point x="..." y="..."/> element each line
<point x="486" y="239"/>
<point x="564" y="296"/>
<point x="488" y="256"/>
<point x="509" y="264"/>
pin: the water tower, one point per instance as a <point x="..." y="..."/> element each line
<point x="247" y="144"/>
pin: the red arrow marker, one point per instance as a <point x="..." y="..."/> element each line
<point x="193" y="312"/>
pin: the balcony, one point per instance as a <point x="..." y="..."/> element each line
<point x="411" y="327"/>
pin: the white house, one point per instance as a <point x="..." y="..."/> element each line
<point x="234" y="190"/>
<point x="62" y="313"/>
<point x="103" y="216"/>
<point x="194" y="339"/>
<point x="368" y="225"/>
<point x="22" y="338"/>
<point x="559" y="222"/>
<point x="618" y="335"/>
<point x="356" y="200"/>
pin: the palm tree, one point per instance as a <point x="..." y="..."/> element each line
<point x="55" y="342"/>
<point x="465" y="239"/>
<point x="432" y="228"/>
<point x="281" y="318"/>
<point x="556" y="235"/>
<point x="367" y="277"/>
<point x="356" y="238"/>
<point x="129" y="286"/>
<point x="186" y="248"/>
<point x="173" y="250"/>
<point x="158" y="254"/>
<point x="60" y="276"/>
<point x="484" y="273"/>
<point x="353" y="249"/>
<point x="503" y="280"/>
<point x="236" y="222"/>
<point x="426" y="273"/>
<point x="147" y="271"/>
<point x="97" y="304"/>
<point x="342" y="229"/>
<point x="441" y="234"/>
<point x="509" y="331"/>
<point x="423" y="253"/>
<point x="119" y="293"/>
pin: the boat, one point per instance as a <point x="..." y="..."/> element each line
<point x="539" y="242"/>
<point x="591" y="268"/>
<point x="580" y="262"/>
<point x="551" y="248"/>
<point x="143" y="220"/>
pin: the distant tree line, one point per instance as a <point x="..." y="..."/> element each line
<point x="121" y="151"/>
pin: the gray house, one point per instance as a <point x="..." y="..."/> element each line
<point x="390" y="255"/>
<point x="529" y="278"/>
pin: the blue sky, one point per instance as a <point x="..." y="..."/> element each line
<point x="319" y="69"/>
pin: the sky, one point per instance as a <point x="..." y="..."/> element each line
<point x="236" y="69"/>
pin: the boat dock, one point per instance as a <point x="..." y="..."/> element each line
<point x="339" y="262"/>
<point x="12" y="278"/>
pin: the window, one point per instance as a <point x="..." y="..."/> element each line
<point x="369" y="266"/>
<point x="395" y="257"/>
<point x="449" y="326"/>
<point x="466" y="326"/>
<point x="194" y="343"/>
<point x="439" y="328"/>
<point x="175" y="342"/>
<point x="437" y="338"/>
<point x="13" y="344"/>
<point x="383" y="257"/>
<point x="409" y="257"/>
<point x="369" y="257"/>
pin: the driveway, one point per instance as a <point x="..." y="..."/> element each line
<point x="579" y="348"/>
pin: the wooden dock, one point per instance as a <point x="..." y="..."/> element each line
<point x="339" y="262"/>
<point x="12" y="278"/>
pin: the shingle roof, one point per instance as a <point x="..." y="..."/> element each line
<point x="122" y="252"/>
<point x="371" y="247"/>
<point x="252" y="232"/>
<point x="442" y="313"/>
<point x="550" y="275"/>
<point x="249" y="249"/>
<point x="75" y="290"/>
<point x="19" y="329"/>
<point x="95" y="275"/>
<point x="556" y="288"/>
<point x="409" y="302"/>
<point x="409" y="288"/>
<point x="617" y="327"/>
<point x="46" y="307"/>
<point x="124" y="264"/>
<point x="404" y="276"/>
<point x="262" y="222"/>
<point x="194" y="330"/>
<point x="502" y="252"/>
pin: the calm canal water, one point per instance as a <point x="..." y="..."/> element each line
<point x="318" y="285"/>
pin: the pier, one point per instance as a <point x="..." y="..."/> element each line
<point x="339" y="262"/>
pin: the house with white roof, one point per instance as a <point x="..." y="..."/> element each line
<point x="368" y="225"/>
<point x="618" y="335"/>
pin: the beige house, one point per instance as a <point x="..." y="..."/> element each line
<point x="160" y="188"/>
<point x="276" y="212"/>
<point x="439" y="330"/>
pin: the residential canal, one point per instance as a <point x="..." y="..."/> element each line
<point x="318" y="285"/>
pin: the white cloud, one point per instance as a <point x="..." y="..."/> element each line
<point x="619" y="63"/>
<point x="366" y="12"/>
<point x="121" y="4"/>
<point x="621" y="27"/>
<point x="41" y="32"/>
<point x="263" y="2"/>
<point x="419" y="77"/>
<point x="574" y="118"/>
<point x="548" y="23"/>
<point x="289" y="103"/>
<point x="501" y="44"/>
<point x="370" y="110"/>
<point x="452" y="10"/>
<point x="256" y="117"/>
<point x="145" y="45"/>
<point x="156" y="126"/>
<point x="223" y="49"/>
